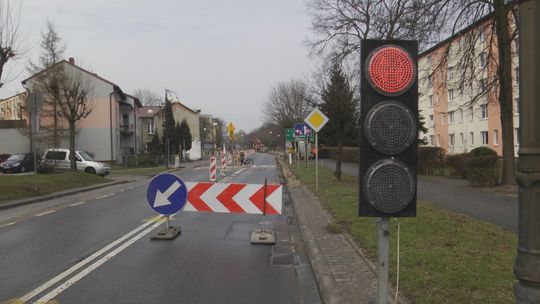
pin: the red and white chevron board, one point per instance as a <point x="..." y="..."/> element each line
<point x="233" y="198"/>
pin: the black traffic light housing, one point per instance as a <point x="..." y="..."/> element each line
<point x="388" y="128"/>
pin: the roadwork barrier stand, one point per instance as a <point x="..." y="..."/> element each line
<point x="263" y="235"/>
<point x="168" y="232"/>
<point x="213" y="168"/>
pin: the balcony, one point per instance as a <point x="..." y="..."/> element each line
<point x="126" y="129"/>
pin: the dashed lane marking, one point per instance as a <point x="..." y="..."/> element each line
<point x="44" y="213"/>
<point x="77" y="204"/>
<point x="8" y="224"/>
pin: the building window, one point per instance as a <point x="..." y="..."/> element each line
<point x="483" y="84"/>
<point x="495" y="137"/>
<point x="451" y="95"/>
<point x="451" y="117"/>
<point x="432" y="140"/>
<point x="430" y="80"/>
<point x="481" y="37"/>
<point x="451" y="139"/>
<point x="460" y="115"/>
<point x="516" y="106"/>
<point x="151" y="129"/>
<point x="484" y="135"/>
<point x="517" y="136"/>
<point x="484" y="111"/>
<point x="450" y="73"/>
<point x="517" y="75"/>
<point x="471" y="141"/>
<point x="483" y="60"/>
<point x="442" y="119"/>
<point x="430" y="100"/>
<point x="438" y="140"/>
<point x="461" y="139"/>
<point x="471" y="113"/>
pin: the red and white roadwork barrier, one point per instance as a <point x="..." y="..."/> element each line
<point x="223" y="164"/>
<point x="213" y="169"/>
<point x="234" y="198"/>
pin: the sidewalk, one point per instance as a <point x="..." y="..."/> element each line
<point x="343" y="273"/>
<point x="455" y="194"/>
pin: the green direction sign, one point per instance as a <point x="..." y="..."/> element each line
<point x="289" y="134"/>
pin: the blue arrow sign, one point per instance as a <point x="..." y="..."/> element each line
<point x="166" y="194"/>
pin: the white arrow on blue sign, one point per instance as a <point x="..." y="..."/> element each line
<point x="166" y="194"/>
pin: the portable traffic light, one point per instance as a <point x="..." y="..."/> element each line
<point x="389" y="128"/>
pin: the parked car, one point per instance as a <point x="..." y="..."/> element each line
<point x="59" y="160"/>
<point x="4" y="157"/>
<point x="19" y="162"/>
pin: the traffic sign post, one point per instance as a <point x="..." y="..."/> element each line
<point x="316" y="120"/>
<point x="167" y="195"/>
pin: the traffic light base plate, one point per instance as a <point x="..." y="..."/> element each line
<point x="167" y="233"/>
<point x="263" y="236"/>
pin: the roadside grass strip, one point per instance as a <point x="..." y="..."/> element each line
<point x="445" y="257"/>
<point x="22" y="186"/>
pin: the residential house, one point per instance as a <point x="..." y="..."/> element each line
<point x="109" y="133"/>
<point x="150" y="124"/>
<point x="12" y="108"/>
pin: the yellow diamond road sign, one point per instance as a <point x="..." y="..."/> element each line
<point x="316" y="119"/>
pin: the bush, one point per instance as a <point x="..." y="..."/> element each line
<point x="145" y="160"/>
<point x="481" y="151"/>
<point x="430" y="159"/>
<point x="350" y="154"/>
<point x="458" y="163"/>
<point x="482" y="170"/>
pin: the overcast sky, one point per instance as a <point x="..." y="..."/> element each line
<point x="220" y="56"/>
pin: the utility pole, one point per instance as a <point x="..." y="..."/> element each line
<point x="527" y="266"/>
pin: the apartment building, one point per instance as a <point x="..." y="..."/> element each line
<point x="12" y="108"/>
<point x="461" y="116"/>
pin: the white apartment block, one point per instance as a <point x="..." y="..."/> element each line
<point x="457" y="119"/>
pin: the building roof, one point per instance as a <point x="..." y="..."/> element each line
<point x="177" y="102"/>
<point x="148" y="111"/>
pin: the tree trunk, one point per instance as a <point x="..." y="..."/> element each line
<point x="338" y="159"/>
<point x="72" y="160"/>
<point x="505" y="92"/>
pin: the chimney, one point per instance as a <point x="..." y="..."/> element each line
<point x="72" y="60"/>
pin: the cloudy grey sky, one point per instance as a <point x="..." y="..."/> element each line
<point x="220" y="56"/>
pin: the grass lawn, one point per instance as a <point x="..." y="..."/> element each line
<point x="21" y="186"/>
<point x="445" y="257"/>
<point x="136" y="171"/>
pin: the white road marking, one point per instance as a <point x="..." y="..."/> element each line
<point x="103" y="196"/>
<point x="46" y="212"/>
<point x="77" y="204"/>
<point x="8" y="224"/>
<point x="75" y="267"/>
<point x="51" y="295"/>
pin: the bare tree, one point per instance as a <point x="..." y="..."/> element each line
<point x="9" y="35"/>
<point x="479" y="62"/>
<point x="340" y="24"/>
<point x="48" y="83"/>
<point x="286" y="104"/>
<point x="75" y="102"/>
<point x="147" y="97"/>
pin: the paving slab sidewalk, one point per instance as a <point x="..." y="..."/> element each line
<point x="344" y="273"/>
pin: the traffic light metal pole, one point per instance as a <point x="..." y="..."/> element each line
<point x="316" y="162"/>
<point x="527" y="266"/>
<point x="382" y="259"/>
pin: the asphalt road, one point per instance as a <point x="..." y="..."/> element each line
<point x="95" y="247"/>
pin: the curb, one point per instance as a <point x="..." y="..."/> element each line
<point x="56" y="195"/>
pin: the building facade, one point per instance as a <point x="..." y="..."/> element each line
<point x="459" y="101"/>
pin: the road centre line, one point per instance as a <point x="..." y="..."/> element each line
<point x="46" y="212"/>
<point x="51" y="295"/>
<point x="75" y="267"/>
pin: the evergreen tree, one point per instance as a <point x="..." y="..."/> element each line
<point x="168" y="125"/>
<point x="176" y="139"/>
<point x="339" y="104"/>
<point x="154" y="147"/>
<point x="186" y="135"/>
<point x="422" y="128"/>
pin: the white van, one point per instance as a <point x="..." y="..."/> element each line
<point x="59" y="159"/>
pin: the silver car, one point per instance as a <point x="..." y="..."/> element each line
<point x="59" y="159"/>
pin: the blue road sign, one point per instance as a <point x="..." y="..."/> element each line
<point x="301" y="130"/>
<point x="166" y="194"/>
